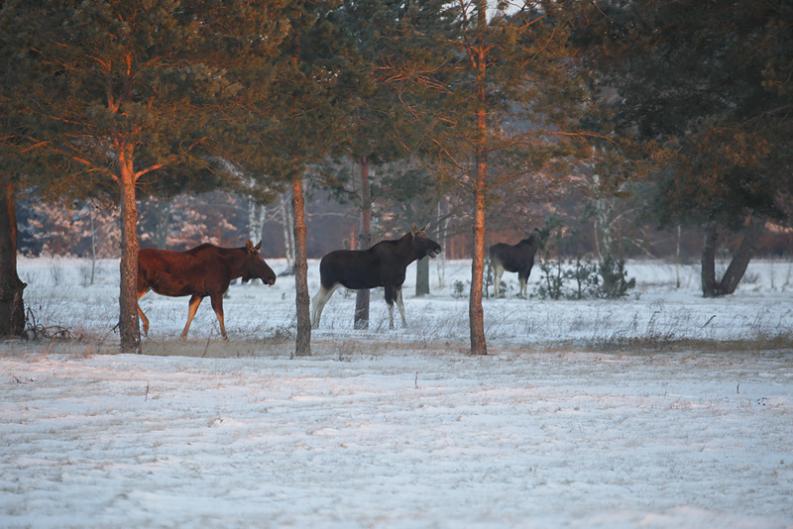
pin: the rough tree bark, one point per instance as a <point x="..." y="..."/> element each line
<point x="12" y="305"/>
<point x="423" y="277"/>
<point x="713" y="287"/>
<point x="289" y="234"/>
<point x="129" y="327"/>
<point x="708" y="268"/>
<point x="303" y="338"/>
<point x="364" y="241"/>
<point x="476" y="313"/>
<point x="443" y="223"/>
<point x="91" y="212"/>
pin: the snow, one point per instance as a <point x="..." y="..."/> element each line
<point x="399" y="440"/>
<point x="655" y="311"/>
<point x="398" y="429"/>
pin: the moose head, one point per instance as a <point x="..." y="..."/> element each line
<point x="254" y="266"/>
<point x="422" y="244"/>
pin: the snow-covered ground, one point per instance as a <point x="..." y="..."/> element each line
<point x="398" y="440"/>
<point x="656" y="311"/>
<point x="398" y="429"/>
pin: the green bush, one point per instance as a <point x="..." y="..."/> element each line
<point x="615" y="283"/>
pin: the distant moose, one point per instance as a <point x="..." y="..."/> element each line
<point x="206" y="270"/>
<point x="382" y="265"/>
<point x="515" y="258"/>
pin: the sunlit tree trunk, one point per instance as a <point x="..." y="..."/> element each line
<point x="129" y="327"/>
<point x="475" y="310"/>
<point x="303" y="339"/>
<point x="12" y="306"/>
<point x="364" y="241"/>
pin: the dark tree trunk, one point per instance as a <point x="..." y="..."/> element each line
<point x="741" y="258"/>
<point x="303" y="338"/>
<point x="364" y="241"/>
<point x="711" y="287"/>
<point x="12" y="305"/>
<point x="476" y="313"/>
<point x="708" y="271"/>
<point x="423" y="277"/>
<point x="129" y="327"/>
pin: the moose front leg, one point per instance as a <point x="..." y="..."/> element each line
<point x="217" y="306"/>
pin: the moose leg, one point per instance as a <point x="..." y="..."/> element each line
<point x="192" y="308"/>
<point x="401" y="306"/>
<point x="217" y="306"/>
<point x="390" y="297"/>
<point x="523" y="289"/>
<point x="497" y="272"/>
<point x="319" y="301"/>
<point x="143" y="317"/>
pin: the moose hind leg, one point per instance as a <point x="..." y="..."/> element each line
<point x="143" y="317"/>
<point x="401" y="306"/>
<point x="217" y="306"/>
<point x="498" y="271"/>
<point x="319" y="301"/>
<point x="390" y="297"/>
<point x="192" y="308"/>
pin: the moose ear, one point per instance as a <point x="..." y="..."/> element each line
<point x="249" y="246"/>
<point x="258" y="246"/>
<point x="413" y="229"/>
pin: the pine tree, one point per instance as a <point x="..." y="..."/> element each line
<point x="307" y="101"/>
<point x="372" y="36"/>
<point x="707" y="86"/>
<point x="117" y="91"/>
<point x="505" y="96"/>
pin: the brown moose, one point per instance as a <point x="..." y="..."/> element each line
<point x="206" y="270"/>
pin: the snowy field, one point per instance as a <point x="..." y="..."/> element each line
<point x="662" y="410"/>
<point x="655" y="312"/>
<point x="398" y="440"/>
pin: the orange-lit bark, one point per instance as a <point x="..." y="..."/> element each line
<point x="129" y="327"/>
<point x="12" y="306"/>
<point x="303" y="338"/>
<point x="476" y="312"/>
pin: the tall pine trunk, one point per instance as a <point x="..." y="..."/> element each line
<point x="711" y="286"/>
<point x="476" y="313"/>
<point x="12" y="305"/>
<point x="303" y="339"/>
<point x="289" y="234"/>
<point x="423" y="277"/>
<point x="708" y="267"/>
<point x="91" y="212"/>
<point x="443" y="224"/>
<point x="129" y="327"/>
<point x="364" y="241"/>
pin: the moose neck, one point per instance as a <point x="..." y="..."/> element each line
<point x="235" y="260"/>
<point x="407" y="249"/>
